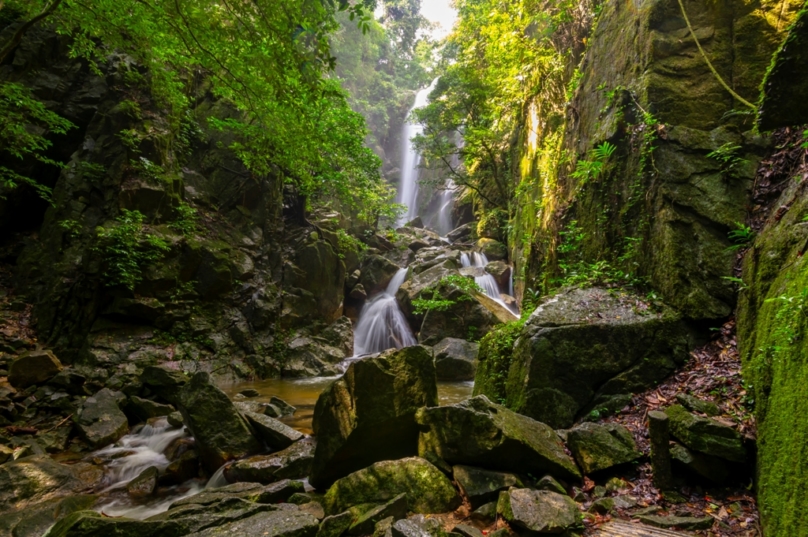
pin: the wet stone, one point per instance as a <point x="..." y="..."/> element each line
<point x="144" y="484"/>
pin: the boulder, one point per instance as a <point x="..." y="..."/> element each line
<point x="377" y="272"/>
<point x="678" y="522"/>
<point x="69" y="381"/>
<point x="283" y="407"/>
<point x="539" y="511"/>
<point x="694" y="404"/>
<point x="185" y="467"/>
<point x="501" y="272"/>
<point x="101" y="421"/>
<point x="493" y="249"/>
<point x="314" y="284"/>
<point x="483" y="486"/>
<point x="35" y="520"/>
<point x="282" y="522"/>
<point x="463" y="233"/>
<point x="276" y="434"/>
<point x="335" y="525"/>
<point x="417" y="526"/>
<point x="92" y="524"/>
<point x="221" y="433"/>
<point x="584" y="345"/>
<point x="416" y="222"/>
<point x="33" y="367"/>
<point x="196" y="518"/>
<point x="164" y="381"/>
<point x="144" y="484"/>
<point x="428" y="490"/>
<point x="477" y="432"/>
<point x="418" y="244"/>
<point x="706" y="466"/>
<point x="293" y="462"/>
<point x="315" y="356"/>
<point x="464" y="319"/>
<point x="365" y="524"/>
<point x="706" y="435"/>
<point x="251" y="492"/>
<point x="145" y="409"/>
<point x="368" y="415"/>
<point x="598" y="447"/>
<point x="454" y="359"/>
<point x="38" y="478"/>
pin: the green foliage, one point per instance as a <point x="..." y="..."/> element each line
<point x="72" y="228"/>
<point x="348" y="243"/>
<point x="728" y="156"/>
<point x="738" y="282"/>
<point x="431" y="299"/>
<point x="742" y="235"/>
<point x="126" y="248"/>
<point x="593" y="167"/>
<point x="185" y="222"/>
<point x="495" y="356"/>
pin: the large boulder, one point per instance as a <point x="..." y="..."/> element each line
<point x="377" y="271"/>
<point x="477" y="432"/>
<point x="493" y="249"/>
<point x="308" y="356"/>
<point x="33" y="367"/>
<point x="368" y="415"/>
<point x="101" y="421"/>
<point x="164" y="381"/>
<point x="706" y="435"/>
<point x="276" y="434"/>
<point x="465" y="318"/>
<point x="539" y="511"/>
<point x="598" y="447"/>
<point x="454" y="359"/>
<point x="583" y="346"/>
<point x="428" y="490"/>
<point x="220" y="431"/>
<point x="483" y="486"/>
<point x="293" y="462"/>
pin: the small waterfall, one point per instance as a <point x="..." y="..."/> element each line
<point x="381" y="324"/>
<point x="486" y="282"/>
<point x="408" y="188"/>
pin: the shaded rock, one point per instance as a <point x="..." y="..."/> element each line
<point x="454" y="359"/>
<point x="220" y="431"/>
<point x="279" y="491"/>
<point x="418" y="244"/>
<point x="144" y="484"/>
<point x="249" y="392"/>
<point x="35" y="367"/>
<point x="366" y="523"/>
<point x="39" y="478"/>
<point x="416" y="222"/>
<point x="175" y="419"/>
<point x="313" y="284"/>
<point x="549" y="483"/>
<point x="358" y="292"/>
<point x="285" y="408"/>
<point x="493" y="249"/>
<point x="194" y="518"/>
<point x="602" y="506"/>
<point x="463" y="233"/>
<point x="164" y="381"/>
<point x="707" y="466"/>
<point x="597" y="447"/>
<point x="417" y="526"/>
<point x="101" y="421"/>
<point x="477" y="432"/>
<point x="384" y="527"/>
<point x="315" y="509"/>
<point x="539" y="511"/>
<point x="185" y="467"/>
<point x="679" y="522"/>
<point x="455" y="321"/>
<point x="280" y="523"/>
<point x="250" y="406"/>
<point x="377" y="271"/>
<point x="428" y="490"/>
<point x="276" y="434"/>
<point x="467" y="531"/>
<point x="501" y="272"/>
<point x="308" y="356"/>
<point x="705" y="435"/>
<point x="483" y="486"/>
<point x="369" y="414"/>
<point x="69" y="381"/>
<point x="292" y="463"/>
<point x="486" y="513"/>
<point x="145" y="409"/>
<point x="335" y="525"/>
<point x="694" y="404"/>
<point x="35" y="520"/>
<point x="92" y="524"/>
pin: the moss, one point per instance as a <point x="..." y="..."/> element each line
<point x="494" y="361"/>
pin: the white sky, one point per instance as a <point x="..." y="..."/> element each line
<point x="441" y="12"/>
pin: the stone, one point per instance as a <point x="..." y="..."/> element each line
<point x="175" y="419"/>
<point x="463" y="319"/>
<point x="462" y="233"/>
<point x="384" y="527"/>
<point x="477" y="432"/>
<point x="548" y="482"/>
<point x="467" y="530"/>
<point x="101" y="421"/>
<point x="35" y="367"/>
<point x="35" y="520"/>
<point x="38" y="478"/>
<point x="221" y="433"/>
<point x="92" y="524"/>
<point x="6" y="453"/>
<point x="493" y="249"/>
<point x="428" y="490"/>
<point x="145" y="409"/>
<point x="279" y="491"/>
<point x="313" y="284"/>
<point x="366" y="523"/>
<point x="707" y="466"/>
<point x="195" y="518"/>
<point x="285" y="408"/>
<point x="581" y="345"/>
<point x="417" y="526"/>
<point x="678" y="522"/>
<point x="315" y="509"/>
<point x="164" y="381"/>
<point x="293" y="462"/>
<point x="706" y="435"/>
<point x="180" y="470"/>
<point x="358" y="293"/>
<point x="276" y="434"/>
<point x="249" y="392"/>
<point x="602" y="506"/>
<point x="483" y="486"/>
<point x="694" y="404"/>
<point x="69" y="381"/>
<point x="485" y="513"/>
<point x="539" y="511"/>
<point x="454" y="359"/>
<point x="279" y="523"/>
<point x="144" y="484"/>
<point x="369" y="414"/>
<point x="377" y="271"/>
<point x="416" y="222"/>
<point x="598" y="447"/>
<point x="501" y="272"/>
<point x="335" y="525"/>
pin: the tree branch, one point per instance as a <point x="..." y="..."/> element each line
<point x="20" y="33"/>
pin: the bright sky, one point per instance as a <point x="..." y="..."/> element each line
<point x="441" y="12"/>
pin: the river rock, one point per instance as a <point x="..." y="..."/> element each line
<point x="369" y="414"/>
<point x="309" y="356"/>
<point x="195" y="518"/>
<point x="38" y="478"/>
<point x="395" y="509"/>
<point x="483" y="486"/>
<point x="279" y="523"/>
<point x="584" y="345"/>
<point x="35" y="520"/>
<point x="539" y="511"/>
<point x="252" y="492"/>
<point x="276" y="434"/>
<point x="428" y="490"/>
<point x="335" y="525"/>
<point x="477" y="432"/>
<point x="101" y="421"/>
<point x="93" y="524"/>
<point x="164" y="381"/>
<point x="144" y="484"/>
<point x="598" y="447"/>
<point x="145" y="409"/>
<point x="501" y="272"/>
<point x="220" y="431"/>
<point x="454" y="359"/>
<point x="292" y="463"/>
<point x="283" y="407"/>
<point x="707" y="466"/>
<point x="183" y="468"/>
<point x="463" y="233"/>
<point x="33" y="367"/>
<point x="706" y="435"/>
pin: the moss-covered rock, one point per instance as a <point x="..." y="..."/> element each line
<point x="455" y="359"/>
<point x="369" y="414"/>
<point x="92" y="524"/>
<point x="293" y="462"/>
<point x="276" y="434"/>
<point x="706" y="435"/>
<point x="32" y="368"/>
<point x="477" y="432"/>
<point x="597" y="447"/>
<point x="427" y="489"/>
<point x="101" y="421"/>
<point x="481" y="486"/>
<point x="376" y="273"/>
<point x="707" y="466"/>
<point x="492" y="249"/>
<point x="539" y="511"/>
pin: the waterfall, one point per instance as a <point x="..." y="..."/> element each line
<point x="486" y="282"/>
<point x="381" y="324"/>
<point x="410" y="159"/>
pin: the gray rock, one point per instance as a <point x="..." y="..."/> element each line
<point x="454" y="359"/>
<point x="549" y="483"/>
<point x="195" y="518"/>
<point x="101" y="421"/>
<point x="598" y="447"/>
<point x="35" y="367"/>
<point x="145" y="409"/>
<point x="38" y="478"/>
<point x="377" y="272"/>
<point x="276" y="434"/>
<point x="483" y="486"/>
<point x="92" y="524"/>
<point x="366" y="523"/>
<point x="539" y="511"/>
<point x="144" y="484"/>
<point x="70" y="381"/>
<point x="707" y="466"/>
<point x="335" y="525"/>
<point x="486" y="513"/>
<point x="249" y="392"/>
<point x="679" y="522"/>
<point x="462" y="233"/>
<point x="706" y="435"/>
<point x="285" y="408"/>
<point x="279" y="491"/>
<point x="467" y="530"/>
<point x="175" y="419"/>
<point x="164" y="381"/>
<point x="694" y="404"/>
<point x="280" y="523"/>
<point x="293" y="462"/>
<point x="416" y="527"/>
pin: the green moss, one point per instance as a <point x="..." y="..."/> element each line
<point x="494" y="361"/>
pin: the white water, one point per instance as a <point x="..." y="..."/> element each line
<point x="486" y="282"/>
<point x="410" y="159"/>
<point x="381" y="324"/>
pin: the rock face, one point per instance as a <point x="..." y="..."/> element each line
<point x="706" y="435"/>
<point x="598" y="447"/>
<point x="477" y="432"/>
<point x="428" y="490"/>
<point x="220" y="431"/>
<point x="539" y="511"/>
<point x="101" y="421"/>
<point x="314" y="284"/>
<point x="369" y="414"/>
<point x="582" y="347"/>
<point x="165" y="382"/>
<point x="33" y="368"/>
<point x="454" y="359"/>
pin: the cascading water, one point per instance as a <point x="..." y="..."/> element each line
<point x="410" y="159"/>
<point x="486" y="282"/>
<point x="381" y="324"/>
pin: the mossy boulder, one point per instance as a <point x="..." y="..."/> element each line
<point x="33" y="367"/>
<point x="92" y="524"/>
<point x="101" y="421"/>
<point x="279" y="522"/>
<point x="369" y="414"/>
<point x="706" y="435"/>
<point x="276" y="434"/>
<point x="221" y="433"/>
<point x="314" y="284"/>
<point x="481" y="486"/>
<point x="597" y="447"/>
<point x="582" y="345"/>
<point x="293" y="462"/>
<point x="428" y="490"/>
<point x="164" y="381"/>
<point x="455" y="359"/>
<point x="477" y="432"/>
<point x="376" y="273"/>
<point x="38" y="478"/>
<point x="493" y="249"/>
<point x="539" y="511"/>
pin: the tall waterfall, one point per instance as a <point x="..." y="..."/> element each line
<point x="410" y="159"/>
<point x="381" y="324"/>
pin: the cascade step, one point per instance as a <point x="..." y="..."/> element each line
<point x="620" y="528"/>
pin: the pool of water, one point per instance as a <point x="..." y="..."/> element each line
<point x="303" y="394"/>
